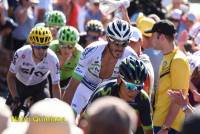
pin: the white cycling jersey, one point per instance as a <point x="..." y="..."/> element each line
<point x="89" y="68"/>
<point x="30" y="73"/>
<point x="90" y="64"/>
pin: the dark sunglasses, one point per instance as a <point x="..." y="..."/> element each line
<point x="92" y="37"/>
<point x="118" y="43"/>
<point x="131" y="86"/>
<point x="63" y="45"/>
<point x="41" y="47"/>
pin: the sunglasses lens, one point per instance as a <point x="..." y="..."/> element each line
<point x="118" y="43"/>
<point x="40" y="47"/>
<point x="130" y="86"/>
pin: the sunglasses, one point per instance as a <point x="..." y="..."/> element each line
<point x="92" y="37"/>
<point x="118" y="43"/>
<point x="62" y="45"/>
<point x="40" y="47"/>
<point x="131" y="86"/>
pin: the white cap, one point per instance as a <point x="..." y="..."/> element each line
<point x="197" y="39"/>
<point x="176" y="14"/>
<point x="191" y="16"/>
<point x="136" y="34"/>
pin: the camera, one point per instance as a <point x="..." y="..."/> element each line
<point x="188" y="46"/>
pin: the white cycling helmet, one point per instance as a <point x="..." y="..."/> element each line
<point x="118" y="30"/>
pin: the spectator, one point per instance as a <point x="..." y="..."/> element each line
<point x="82" y="15"/>
<point x="43" y="7"/>
<point x="25" y="17"/>
<point x="61" y="111"/>
<point x="192" y="124"/>
<point x="145" y="23"/>
<point x="71" y="10"/>
<point x="7" y="25"/>
<point x="109" y="115"/>
<point x="174" y="75"/>
<point x="136" y="41"/>
<point x="94" y="12"/>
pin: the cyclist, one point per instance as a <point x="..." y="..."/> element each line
<point x="68" y="51"/>
<point x="54" y="20"/>
<point x="27" y="75"/>
<point x="94" y="30"/>
<point x="129" y="87"/>
<point x="99" y="62"/>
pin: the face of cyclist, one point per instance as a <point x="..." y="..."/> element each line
<point x="40" y="51"/>
<point x="66" y="50"/>
<point x="116" y="47"/>
<point x="92" y="36"/>
<point x="127" y="91"/>
<point x="54" y="31"/>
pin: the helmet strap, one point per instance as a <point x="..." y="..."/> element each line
<point x="110" y="51"/>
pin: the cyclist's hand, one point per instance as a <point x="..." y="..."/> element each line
<point x="16" y="103"/>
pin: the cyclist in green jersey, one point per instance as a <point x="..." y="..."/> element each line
<point x="68" y="51"/>
<point x="55" y="20"/>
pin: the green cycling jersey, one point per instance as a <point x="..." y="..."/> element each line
<point x="68" y="68"/>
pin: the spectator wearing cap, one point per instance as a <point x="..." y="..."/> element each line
<point x="175" y="17"/>
<point x="94" y="13"/>
<point x="143" y="24"/>
<point x="136" y="41"/>
<point x="187" y="22"/>
<point x="174" y="74"/>
<point x="109" y="115"/>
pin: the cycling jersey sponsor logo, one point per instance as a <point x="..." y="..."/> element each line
<point x="78" y="69"/>
<point x="23" y="56"/>
<point x="27" y="64"/>
<point x="88" y="52"/>
<point x="15" y="58"/>
<point x="57" y="68"/>
<point x="32" y="71"/>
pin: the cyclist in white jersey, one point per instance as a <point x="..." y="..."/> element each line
<point x="99" y="62"/>
<point x="30" y="67"/>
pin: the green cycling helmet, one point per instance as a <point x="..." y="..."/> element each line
<point x="55" y="18"/>
<point x="68" y="35"/>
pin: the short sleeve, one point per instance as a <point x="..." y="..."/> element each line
<point x="180" y="74"/>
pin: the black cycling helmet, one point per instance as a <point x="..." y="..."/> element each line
<point x="133" y="69"/>
<point x="94" y="26"/>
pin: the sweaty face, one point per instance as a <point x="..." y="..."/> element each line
<point x="117" y="47"/>
<point x="66" y="50"/>
<point x="40" y="51"/>
<point x="126" y="94"/>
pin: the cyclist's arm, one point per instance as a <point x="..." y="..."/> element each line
<point x="11" y="83"/>
<point x="71" y="88"/>
<point x="145" y="113"/>
<point x="56" y="91"/>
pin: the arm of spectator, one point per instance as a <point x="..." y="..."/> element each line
<point x="179" y="98"/>
<point x="71" y="89"/>
<point x="125" y="14"/>
<point x="21" y="15"/>
<point x="11" y="77"/>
